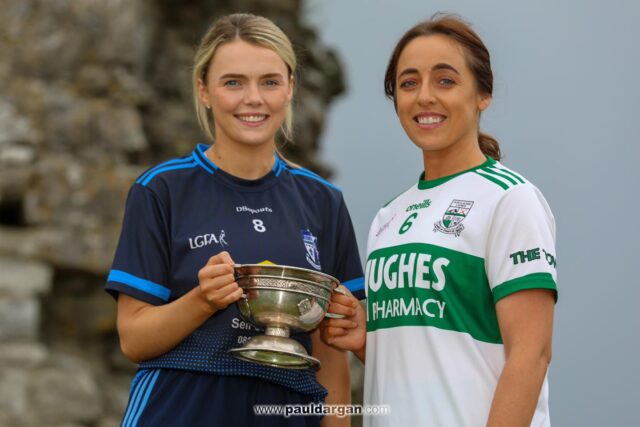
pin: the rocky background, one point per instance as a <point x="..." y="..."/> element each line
<point x="92" y="93"/>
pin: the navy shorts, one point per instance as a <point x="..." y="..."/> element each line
<point x="174" y="398"/>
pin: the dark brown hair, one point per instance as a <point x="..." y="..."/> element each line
<point x="476" y="55"/>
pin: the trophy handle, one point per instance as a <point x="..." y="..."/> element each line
<point x="243" y="306"/>
<point x="339" y="290"/>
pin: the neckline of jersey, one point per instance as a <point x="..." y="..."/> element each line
<point x="262" y="183"/>
<point x="424" y="184"/>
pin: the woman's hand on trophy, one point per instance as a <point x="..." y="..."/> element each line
<point x="348" y="332"/>
<point x="217" y="282"/>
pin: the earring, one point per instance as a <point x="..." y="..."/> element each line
<point x="208" y="107"/>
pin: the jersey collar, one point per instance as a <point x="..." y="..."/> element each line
<point x="424" y="184"/>
<point x="268" y="180"/>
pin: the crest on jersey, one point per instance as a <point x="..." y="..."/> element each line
<point x="310" y="244"/>
<point x="453" y="216"/>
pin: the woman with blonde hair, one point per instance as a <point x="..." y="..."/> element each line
<point x="190" y="219"/>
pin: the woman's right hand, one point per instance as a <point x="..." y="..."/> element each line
<point x="148" y="331"/>
<point x="349" y="332"/>
<point x="217" y="283"/>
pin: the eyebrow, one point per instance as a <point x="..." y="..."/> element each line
<point x="445" y="66"/>
<point x="438" y="66"/>
<point x="242" y="76"/>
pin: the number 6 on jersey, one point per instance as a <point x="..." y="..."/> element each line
<point x="406" y="225"/>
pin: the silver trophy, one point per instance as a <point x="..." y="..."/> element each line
<point x="281" y="299"/>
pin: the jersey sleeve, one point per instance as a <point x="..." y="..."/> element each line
<point x="521" y="244"/>
<point x="348" y="265"/>
<point x="141" y="263"/>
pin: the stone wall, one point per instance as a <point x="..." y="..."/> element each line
<point x="95" y="91"/>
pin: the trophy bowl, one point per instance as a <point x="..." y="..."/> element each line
<point x="281" y="299"/>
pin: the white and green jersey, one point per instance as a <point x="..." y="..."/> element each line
<point x="440" y="256"/>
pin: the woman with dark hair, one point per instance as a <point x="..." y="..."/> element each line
<point x="460" y="274"/>
<point x="190" y="219"/>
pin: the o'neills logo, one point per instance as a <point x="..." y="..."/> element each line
<point x="417" y="206"/>
<point x="207" y="239"/>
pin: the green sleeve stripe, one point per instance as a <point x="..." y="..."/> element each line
<point x="495" y="172"/>
<point x="492" y="179"/>
<point x="513" y="174"/>
<point x="530" y="281"/>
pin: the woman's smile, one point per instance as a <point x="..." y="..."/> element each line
<point x="429" y="120"/>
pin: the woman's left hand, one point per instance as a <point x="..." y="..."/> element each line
<point x="349" y="332"/>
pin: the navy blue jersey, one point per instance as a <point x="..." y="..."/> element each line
<point x="182" y="212"/>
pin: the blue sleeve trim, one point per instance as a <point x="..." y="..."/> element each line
<point x="143" y="285"/>
<point x="309" y="174"/>
<point x="168" y="168"/>
<point x="355" y="284"/>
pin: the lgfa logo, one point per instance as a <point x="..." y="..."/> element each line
<point x="207" y="239"/>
